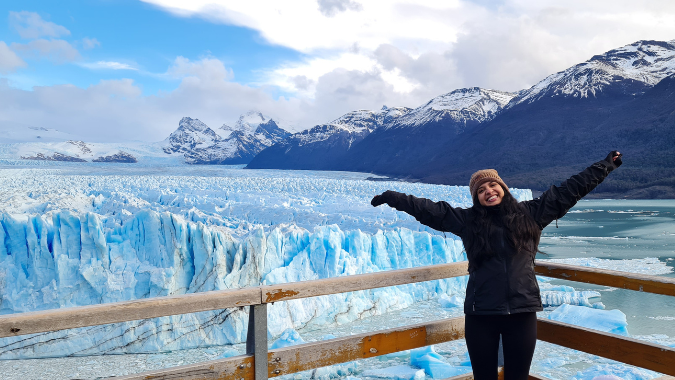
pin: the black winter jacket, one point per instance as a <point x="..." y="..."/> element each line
<point x="505" y="282"/>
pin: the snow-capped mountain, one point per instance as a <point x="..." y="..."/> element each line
<point x="463" y="106"/>
<point x="390" y="137"/>
<point x="199" y="144"/>
<point x="357" y="124"/>
<point x="324" y="146"/>
<point x="629" y="70"/>
<point x="191" y="134"/>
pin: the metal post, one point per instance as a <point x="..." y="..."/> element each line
<point x="256" y="339"/>
<point x="500" y="355"/>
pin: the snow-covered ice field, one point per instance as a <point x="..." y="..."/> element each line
<point x="79" y="234"/>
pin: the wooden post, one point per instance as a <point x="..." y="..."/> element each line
<point x="256" y="339"/>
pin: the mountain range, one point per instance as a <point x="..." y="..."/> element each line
<point x="200" y="144"/>
<point x="622" y="99"/>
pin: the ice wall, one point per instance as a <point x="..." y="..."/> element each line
<point x="70" y="259"/>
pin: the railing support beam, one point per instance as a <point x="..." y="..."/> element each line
<point x="256" y="339"/>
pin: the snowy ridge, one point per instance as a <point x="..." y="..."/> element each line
<point x="246" y="124"/>
<point x="467" y="104"/>
<point x="357" y="123"/>
<point x="199" y="144"/>
<point x="645" y="62"/>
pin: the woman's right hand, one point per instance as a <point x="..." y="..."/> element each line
<point x="380" y="199"/>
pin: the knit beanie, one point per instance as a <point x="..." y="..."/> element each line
<point x="486" y="175"/>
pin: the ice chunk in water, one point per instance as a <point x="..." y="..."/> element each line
<point x="433" y="363"/>
<point x="555" y="298"/>
<point x="450" y="301"/>
<point x="289" y="337"/>
<point x="611" y="321"/>
<point x="399" y="372"/>
<point x="615" y="371"/>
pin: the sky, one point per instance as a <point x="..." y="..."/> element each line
<point x="118" y="70"/>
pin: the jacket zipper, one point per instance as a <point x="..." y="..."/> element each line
<point x="474" y="293"/>
<point x="508" y="309"/>
<point x="506" y="272"/>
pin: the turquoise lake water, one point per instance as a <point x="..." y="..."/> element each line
<point x="621" y="230"/>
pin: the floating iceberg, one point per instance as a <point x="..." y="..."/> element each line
<point x="451" y="301"/>
<point x="399" y="372"/>
<point x="433" y="364"/>
<point x="288" y="338"/>
<point x="617" y="371"/>
<point x="611" y="321"/>
<point x="556" y="298"/>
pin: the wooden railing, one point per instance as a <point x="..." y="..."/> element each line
<point x="259" y="363"/>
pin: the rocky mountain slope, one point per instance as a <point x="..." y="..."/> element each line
<point x="375" y="140"/>
<point x="537" y="137"/>
<point x="200" y="144"/>
<point x="326" y="146"/>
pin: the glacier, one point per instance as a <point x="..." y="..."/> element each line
<point x="83" y="239"/>
<point x="96" y="233"/>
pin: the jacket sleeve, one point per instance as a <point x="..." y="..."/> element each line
<point x="556" y="201"/>
<point x="437" y="215"/>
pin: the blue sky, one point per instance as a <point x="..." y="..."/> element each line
<point x="131" y="69"/>
<point x="142" y="36"/>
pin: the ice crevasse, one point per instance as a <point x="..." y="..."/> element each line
<point x="70" y="259"/>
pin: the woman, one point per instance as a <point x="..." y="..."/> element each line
<point x="501" y="238"/>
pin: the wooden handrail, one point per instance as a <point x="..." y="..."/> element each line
<point x="616" y="347"/>
<point x="304" y="289"/>
<point x="82" y="316"/>
<point x="318" y="354"/>
<point x="616" y="279"/>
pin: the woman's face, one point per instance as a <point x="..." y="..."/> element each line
<point x="490" y="194"/>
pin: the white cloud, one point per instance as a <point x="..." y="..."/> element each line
<point x="303" y="26"/>
<point x="108" y="65"/>
<point x="90" y="43"/>
<point x="58" y="51"/>
<point x="30" y="25"/>
<point x="434" y="44"/>
<point x="9" y="61"/>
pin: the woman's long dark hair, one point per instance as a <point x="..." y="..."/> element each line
<point x="522" y="231"/>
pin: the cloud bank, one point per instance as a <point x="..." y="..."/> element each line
<point x="357" y="55"/>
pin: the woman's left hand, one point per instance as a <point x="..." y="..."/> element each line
<point x="614" y="157"/>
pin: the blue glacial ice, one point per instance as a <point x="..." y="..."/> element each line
<point x="287" y="338"/>
<point x="434" y="364"/>
<point x="399" y="372"/>
<point x="615" y="371"/>
<point x="72" y="240"/>
<point x="70" y="260"/>
<point x="611" y="321"/>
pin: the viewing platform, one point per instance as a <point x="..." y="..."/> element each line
<point x="260" y="363"/>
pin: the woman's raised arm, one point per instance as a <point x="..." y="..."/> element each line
<point x="437" y="215"/>
<point x="556" y="201"/>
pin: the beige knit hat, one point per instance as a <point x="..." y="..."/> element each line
<point x="486" y="175"/>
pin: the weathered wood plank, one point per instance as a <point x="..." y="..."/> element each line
<point x="304" y="289"/>
<point x="623" y="280"/>
<point x="68" y="318"/>
<point x="341" y="350"/>
<point x="234" y="368"/>
<point x="466" y="376"/>
<point x="316" y="354"/>
<point x="627" y="350"/>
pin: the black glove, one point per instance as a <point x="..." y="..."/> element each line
<point x="614" y="159"/>
<point x="380" y="199"/>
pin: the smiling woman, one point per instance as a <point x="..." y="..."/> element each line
<point x="501" y="237"/>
